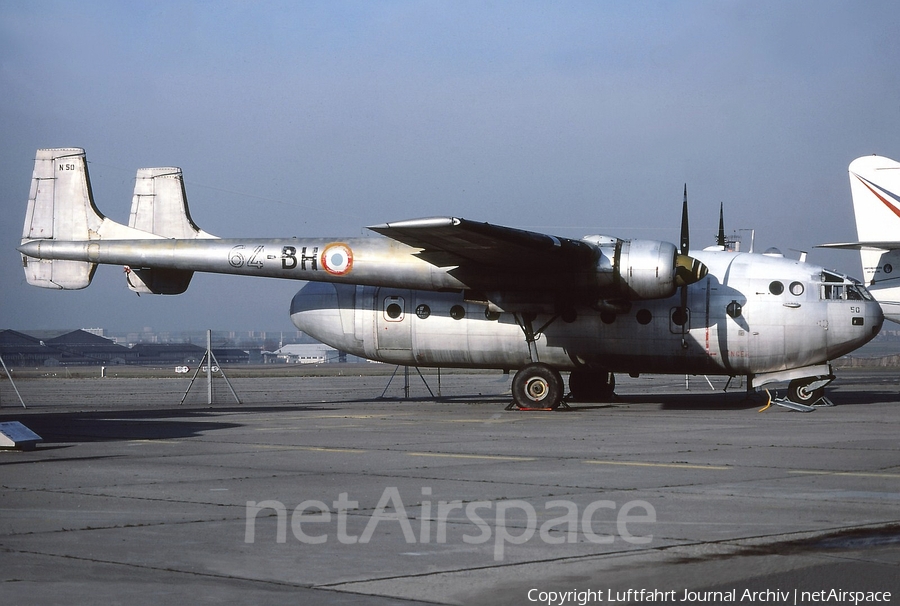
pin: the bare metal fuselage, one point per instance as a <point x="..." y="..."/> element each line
<point x="780" y="320"/>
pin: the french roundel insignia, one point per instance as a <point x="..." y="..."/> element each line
<point x="337" y="259"/>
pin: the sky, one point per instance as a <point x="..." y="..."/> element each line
<point x="316" y="119"/>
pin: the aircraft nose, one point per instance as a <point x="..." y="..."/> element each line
<point x="876" y="314"/>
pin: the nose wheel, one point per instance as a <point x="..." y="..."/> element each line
<point x="537" y="386"/>
<point x="807" y="391"/>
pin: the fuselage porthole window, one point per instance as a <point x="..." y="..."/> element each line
<point x="393" y="311"/>
<point x="776" y="287"/>
<point x="796" y="288"/>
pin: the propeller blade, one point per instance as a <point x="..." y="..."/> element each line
<point x="685" y="232"/>
<point x="720" y="238"/>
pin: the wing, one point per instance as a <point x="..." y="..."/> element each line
<point x="450" y="241"/>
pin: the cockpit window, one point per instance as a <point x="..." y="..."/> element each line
<point x="832" y="292"/>
<point x="858" y="292"/>
<point x="839" y="288"/>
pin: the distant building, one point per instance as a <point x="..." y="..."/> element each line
<point x="72" y="348"/>
<point x="83" y="348"/>
<point x="306" y="353"/>
<point x="166" y="354"/>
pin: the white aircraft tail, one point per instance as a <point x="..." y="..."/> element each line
<point x="61" y="207"/>
<point x="160" y="206"/>
<point x="875" y="186"/>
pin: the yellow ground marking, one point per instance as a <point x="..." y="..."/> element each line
<point x="858" y="474"/>
<point x="310" y="448"/>
<point x="468" y="456"/>
<point x="669" y="465"/>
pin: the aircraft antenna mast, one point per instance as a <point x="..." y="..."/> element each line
<point x="720" y="238"/>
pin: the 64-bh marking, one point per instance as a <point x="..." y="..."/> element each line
<point x="336" y="258"/>
<point x="289" y="258"/>
<point x="236" y="256"/>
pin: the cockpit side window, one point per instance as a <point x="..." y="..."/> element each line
<point x="836" y="287"/>
<point x="832" y="292"/>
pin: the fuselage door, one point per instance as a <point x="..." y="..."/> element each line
<point x="393" y="326"/>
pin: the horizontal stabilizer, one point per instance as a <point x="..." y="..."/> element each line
<point x="58" y="274"/>
<point x="158" y="281"/>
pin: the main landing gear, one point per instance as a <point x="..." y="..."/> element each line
<point x="539" y="386"/>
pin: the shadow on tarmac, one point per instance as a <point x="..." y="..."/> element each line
<point x="126" y="425"/>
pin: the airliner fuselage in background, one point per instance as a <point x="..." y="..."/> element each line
<point x="449" y="292"/>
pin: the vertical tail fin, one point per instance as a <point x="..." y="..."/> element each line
<point x="875" y="186"/>
<point x="160" y="206"/>
<point x="60" y="207"/>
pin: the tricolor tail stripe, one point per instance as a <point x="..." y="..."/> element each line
<point x="889" y="199"/>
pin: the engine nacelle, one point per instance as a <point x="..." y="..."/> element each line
<point x="646" y="269"/>
<point x="634" y="270"/>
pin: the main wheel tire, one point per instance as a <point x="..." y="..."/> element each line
<point x="591" y="386"/>
<point x="537" y="386"/>
<point x="798" y="392"/>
